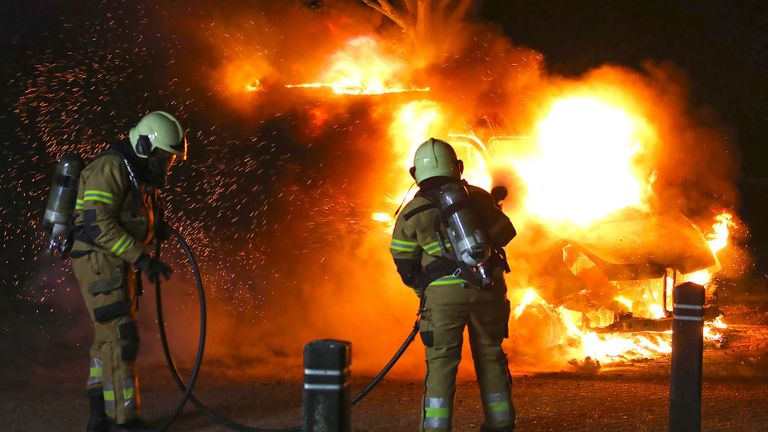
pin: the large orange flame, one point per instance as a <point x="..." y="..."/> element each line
<point x="584" y="168"/>
<point x="363" y="67"/>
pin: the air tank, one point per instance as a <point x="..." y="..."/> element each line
<point x="61" y="201"/>
<point x="466" y="233"/>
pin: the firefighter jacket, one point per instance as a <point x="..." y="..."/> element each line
<point x="419" y="246"/>
<point x="114" y="215"/>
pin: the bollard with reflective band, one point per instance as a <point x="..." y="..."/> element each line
<point x="325" y="406"/>
<point x="687" y="351"/>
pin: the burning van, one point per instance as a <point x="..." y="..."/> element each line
<point x="605" y="288"/>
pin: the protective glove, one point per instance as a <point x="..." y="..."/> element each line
<point x="153" y="268"/>
<point x="162" y="232"/>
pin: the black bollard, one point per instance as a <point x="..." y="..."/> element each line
<point x="687" y="351"/>
<point x="325" y="406"/>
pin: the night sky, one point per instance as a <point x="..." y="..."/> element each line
<point x="76" y="73"/>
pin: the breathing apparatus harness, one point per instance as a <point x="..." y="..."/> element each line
<point x="473" y="255"/>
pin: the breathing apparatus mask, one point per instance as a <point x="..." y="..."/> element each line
<point x="158" y="166"/>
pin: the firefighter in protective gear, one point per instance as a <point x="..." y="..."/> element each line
<point x="117" y="214"/>
<point x="420" y="248"/>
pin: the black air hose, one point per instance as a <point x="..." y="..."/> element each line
<point x="187" y="389"/>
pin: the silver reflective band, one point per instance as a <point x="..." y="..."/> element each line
<point x="436" y="422"/>
<point x="323" y="372"/>
<point x="496" y="397"/>
<point x="322" y="387"/>
<point x="688" y="318"/>
<point x="688" y="306"/>
<point x="435" y="402"/>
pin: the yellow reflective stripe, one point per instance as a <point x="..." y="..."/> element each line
<point x="403" y="245"/>
<point x="109" y="395"/>
<point x="119" y="242"/>
<point x="128" y="243"/>
<point x="98" y="195"/>
<point x="125" y="246"/>
<point x="448" y="280"/>
<point x="98" y="198"/>
<point x="499" y="406"/>
<point x="435" y="247"/>
<point x="98" y="192"/>
<point x="96" y="372"/>
<point x="129" y="393"/>
<point x="436" y="412"/>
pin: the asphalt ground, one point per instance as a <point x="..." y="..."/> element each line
<point x="42" y="379"/>
<point x="630" y="397"/>
<point x="615" y="401"/>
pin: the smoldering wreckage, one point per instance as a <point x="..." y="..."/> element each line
<point x="604" y="174"/>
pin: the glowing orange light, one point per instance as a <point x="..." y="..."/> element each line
<point x="585" y="165"/>
<point x="363" y="67"/>
<point x="253" y="86"/>
<point x="718" y="239"/>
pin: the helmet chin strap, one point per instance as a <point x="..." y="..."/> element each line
<point x="405" y="196"/>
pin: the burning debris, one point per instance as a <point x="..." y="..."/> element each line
<point x="604" y="172"/>
<point x="363" y="68"/>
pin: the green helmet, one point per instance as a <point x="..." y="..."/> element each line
<point x="435" y="158"/>
<point x="158" y="129"/>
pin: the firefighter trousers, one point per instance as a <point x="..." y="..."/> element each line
<point x="442" y="331"/>
<point x="107" y="288"/>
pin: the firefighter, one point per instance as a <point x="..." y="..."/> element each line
<point x="117" y="215"/>
<point x="421" y="249"/>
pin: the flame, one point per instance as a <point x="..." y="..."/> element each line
<point x="701" y="277"/>
<point x="363" y="67"/>
<point x="625" y="301"/>
<point x="241" y="77"/>
<point x="253" y="86"/>
<point x="711" y="328"/>
<point x="585" y="166"/>
<point x="528" y="298"/>
<point x="382" y="217"/>
<point x="718" y="239"/>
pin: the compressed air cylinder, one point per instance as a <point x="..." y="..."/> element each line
<point x="465" y="231"/>
<point x="61" y="200"/>
<point x="326" y="401"/>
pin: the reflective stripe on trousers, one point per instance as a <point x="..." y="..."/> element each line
<point x="129" y="395"/>
<point x="437" y="413"/>
<point x="498" y="408"/>
<point x="109" y="397"/>
<point x="96" y="373"/>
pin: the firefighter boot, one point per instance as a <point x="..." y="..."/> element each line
<point x="484" y="428"/>
<point x="133" y="425"/>
<point x="98" y="421"/>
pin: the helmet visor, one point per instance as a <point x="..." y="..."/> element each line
<point x="180" y="149"/>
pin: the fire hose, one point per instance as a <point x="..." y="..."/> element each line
<point x="187" y="388"/>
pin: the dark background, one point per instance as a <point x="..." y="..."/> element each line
<point x="52" y="50"/>
<point x="722" y="46"/>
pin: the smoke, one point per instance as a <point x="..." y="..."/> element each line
<point x="278" y="193"/>
<point x="326" y="265"/>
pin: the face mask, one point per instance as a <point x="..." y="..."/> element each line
<point x="159" y="164"/>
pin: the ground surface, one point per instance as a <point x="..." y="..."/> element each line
<point x="41" y="394"/>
